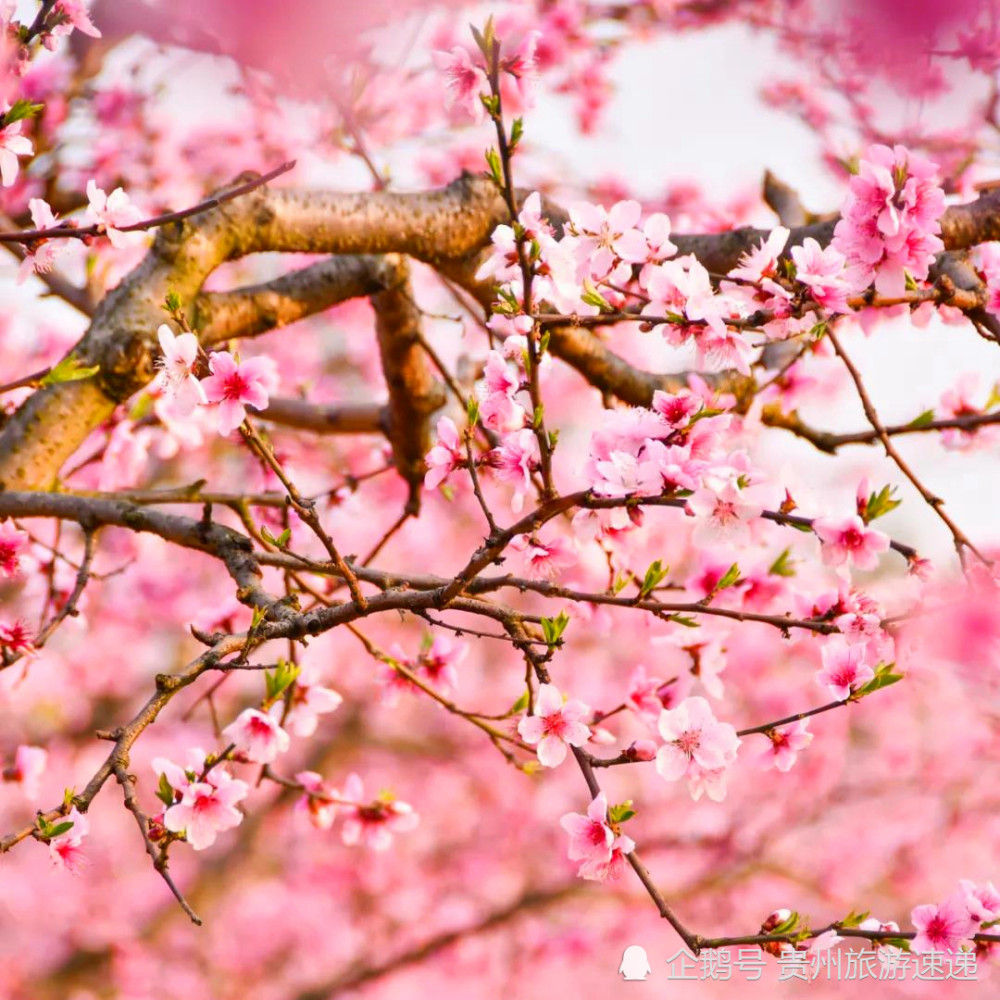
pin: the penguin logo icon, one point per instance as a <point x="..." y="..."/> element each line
<point x="635" y="964"/>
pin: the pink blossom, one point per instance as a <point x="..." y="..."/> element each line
<point x="594" y="844"/>
<point x="600" y="870"/>
<point x="439" y="661"/>
<point x="27" y="770"/>
<point x="850" y="540"/>
<point x="785" y="744"/>
<point x="889" y="221"/>
<point x="697" y="747"/>
<point x="40" y="257"/>
<point x="11" y="543"/>
<point x="844" y="669"/>
<point x="676" y="409"/>
<point x="496" y="393"/>
<point x="859" y="628"/>
<point x="66" y="850"/>
<point x="644" y="750"/>
<point x="465" y="81"/>
<point x="321" y="800"/>
<point x="373" y="824"/>
<point x="554" y="725"/>
<point x="544" y="559"/>
<point x="114" y="212"/>
<point x="446" y="456"/>
<point x="886" y="952"/>
<point x="309" y="701"/>
<point x="604" y="238"/>
<point x="176" y="375"/>
<point x="589" y="835"/>
<point x="822" y="942"/>
<point x="12" y="145"/>
<point x="523" y="67"/>
<point x="721" y="348"/>
<point x="206" y="809"/>
<point x="722" y="515"/>
<point x="822" y="271"/>
<point x="16" y="638"/>
<point x="959" y="402"/>
<point x="942" y="928"/>
<point x="684" y="286"/>
<point x="514" y="461"/>
<point x="659" y="247"/>
<point x="234" y="385"/>
<point x="76" y="16"/>
<point x="642" y="695"/>
<point x="762" y="261"/>
<point x="125" y="457"/>
<point x="623" y="475"/>
<point x="982" y="901"/>
<point x="258" y="736"/>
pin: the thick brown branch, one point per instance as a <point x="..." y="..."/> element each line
<point x="255" y="309"/>
<point x="414" y="393"/>
<point x="346" y="418"/>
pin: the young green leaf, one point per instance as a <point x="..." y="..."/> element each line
<point x="70" y="369"/>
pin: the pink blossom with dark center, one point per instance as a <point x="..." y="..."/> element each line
<point x="554" y="725"/>
<point x="235" y="385"/>
<point x="945" y="927"/>
<point x="844" y="669"/>
<point x="373" y="824"/>
<point x="446" y="456"/>
<point x="849" y="540"/>
<point x="66" y="850"/>
<point x="785" y="744"/>
<point x="258" y="736"/>
<point x="12" y="542"/>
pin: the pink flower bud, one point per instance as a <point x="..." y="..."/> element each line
<point x="642" y="750"/>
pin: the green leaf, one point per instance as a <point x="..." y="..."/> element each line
<point x="879" y="503"/>
<point x="493" y="162"/>
<point x="520" y="705"/>
<point x="69" y="369"/>
<point x="553" y="628"/>
<point x="516" y="133"/>
<point x="894" y="942"/>
<point x="731" y="577"/>
<point x="141" y="407"/>
<point x="60" y="828"/>
<point x="281" y="541"/>
<point x="686" y="620"/>
<point x="925" y="418"/>
<point x="593" y="297"/>
<point x="279" y="680"/>
<point x="165" y="791"/>
<point x="854" y="919"/>
<point x="19" y="111"/>
<point x="784" y="565"/>
<point x="884" y="677"/>
<point x="621" y="812"/>
<point x="787" y="926"/>
<point x="818" y="330"/>
<point x="172" y="302"/>
<point x="656" y="573"/>
<point x="472" y="410"/>
<point x="622" y="580"/>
